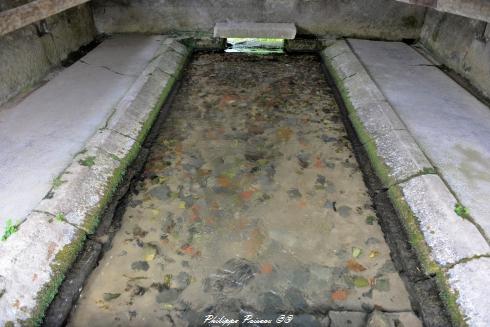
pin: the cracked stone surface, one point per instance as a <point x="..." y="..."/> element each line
<point x="470" y="280"/>
<point x="450" y="125"/>
<point x="450" y="237"/>
<point x="394" y="145"/>
<point x="40" y="135"/>
<point x="26" y="263"/>
<point x="251" y="203"/>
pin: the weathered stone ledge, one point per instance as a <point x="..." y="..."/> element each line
<point x="34" y="260"/>
<point x="447" y="245"/>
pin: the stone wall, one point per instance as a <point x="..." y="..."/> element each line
<point x="384" y="19"/>
<point x="27" y="56"/>
<point x="462" y="44"/>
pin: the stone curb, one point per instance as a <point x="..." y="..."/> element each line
<point x="440" y="237"/>
<point x="34" y="260"/>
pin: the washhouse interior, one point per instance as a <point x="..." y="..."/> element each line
<point x="244" y="163"/>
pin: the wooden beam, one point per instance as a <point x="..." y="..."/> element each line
<point x="13" y="19"/>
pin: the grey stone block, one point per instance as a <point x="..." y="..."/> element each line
<point x="85" y="184"/>
<point x="209" y="43"/>
<point x="27" y="261"/>
<point x="28" y="258"/>
<point x="134" y="110"/>
<point x="176" y="46"/>
<point x="124" y="62"/>
<point x="347" y="318"/>
<point x="399" y="152"/>
<point x="335" y="49"/>
<point x="449" y="236"/>
<point x="345" y="61"/>
<point x="303" y="45"/>
<point x="378" y="117"/>
<point x="111" y="142"/>
<point x="136" y="107"/>
<point x="255" y="30"/>
<point x="470" y="281"/>
<point x="450" y="124"/>
<point x="40" y="134"/>
<point x="360" y="87"/>
<point x="369" y="109"/>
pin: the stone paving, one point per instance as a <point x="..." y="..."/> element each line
<point x="251" y="203"/>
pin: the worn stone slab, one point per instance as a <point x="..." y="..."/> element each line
<point x="117" y="53"/>
<point x="450" y="237"/>
<point x="303" y="45"/>
<point x="377" y="117"/>
<point x="450" y="125"/>
<point x="84" y="187"/>
<point x="400" y="153"/>
<point x="435" y="118"/>
<point x="379" y="127"/>
<point x="111" y="142"/>
<point x="79" y="195"/>
<point x="40" y="135"/>
<point x="34" y="257"/>
<point x="147" y="93"/>
<point x="361" y="89"/>
<point x="255" y="30"/>
<point x="345" y="62"/>
<point x="470" y="281"/>
<point x="335" y="49"/>
<point x="347" y="318"/>
<point x="176" y="46"/>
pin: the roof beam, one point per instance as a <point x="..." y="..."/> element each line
<point x="36" y="10"/>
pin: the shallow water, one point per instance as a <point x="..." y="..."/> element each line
<point x="251" y="203"/>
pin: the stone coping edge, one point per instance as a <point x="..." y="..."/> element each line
<point x="35" y="259"/>
<point x="422" y="200"/>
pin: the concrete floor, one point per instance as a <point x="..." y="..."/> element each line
<point x="40" y="135"/>
<point x="251" y="203"/>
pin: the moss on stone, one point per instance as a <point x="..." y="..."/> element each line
<point x="410" y="21"/>
<point x="67" y="256"/>
<point x="411" y="225"/>
<point x="409" y="221"/>
<point x="449" y="297"/>
<point x="382" y="171"/>
<point x="64" y="259"/>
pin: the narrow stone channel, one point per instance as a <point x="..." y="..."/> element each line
<point x="251" y="204"/>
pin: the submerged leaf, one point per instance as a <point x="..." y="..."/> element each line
<point x="360" y="282"/>
<point x="356" y="252"/>
<point x="355" y="266"/>
<point x="111" y="296"/>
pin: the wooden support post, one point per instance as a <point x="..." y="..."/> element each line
<point x="13" y="19"/>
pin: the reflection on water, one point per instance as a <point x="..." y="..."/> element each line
<point x="255" y="46"/>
